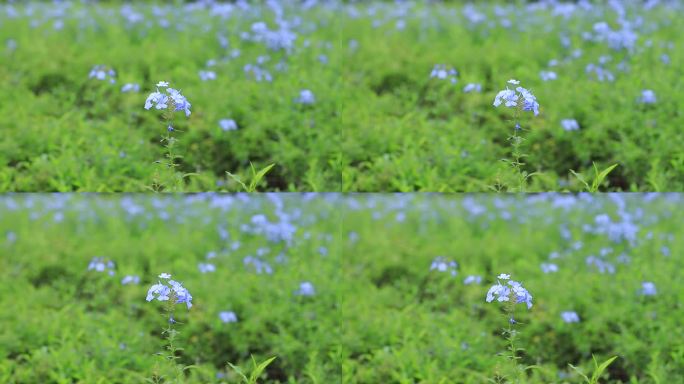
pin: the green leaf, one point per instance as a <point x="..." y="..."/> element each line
<point x="598" y="178"/>
<point x="600" y="368"/>
<point x="256" y="178"/>
<point x="258" y="369"/>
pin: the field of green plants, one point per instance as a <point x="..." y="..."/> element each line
<point x="417" y="270"/>
<point x="262" y="273"/>
<point x="340" y="96"/>
<point x="352" y="289"/>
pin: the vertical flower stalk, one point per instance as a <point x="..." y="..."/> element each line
<point x="520" y="99"/>
<point x="169" y="101"/>
<point x="510" y="293"/>
<point x="171" y="293"/>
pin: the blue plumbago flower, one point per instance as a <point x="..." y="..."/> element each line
<point x="228" y="125"/>
<point x="305" y="289"/>
<point x="259" y="73"/>
<point x="601" y="265"/>
<point x="275" y="40"/>
<point x="99" y="264"/>
<point x="173" y="98"/>
<point x="228" y="317"/>
<point x="472" y="279"/>
<point x="570" y="317"/>
<point x="520" y="97"/>
<point x="510" y="291"/>
<point x="11" y="237"/>
<point x="570" y="124"/>
<point x="601" y="73"/>
<point x="259" y="265"/>
<point x="130" y="279"/>
<point x="11" y="45"/>
<point x="441" y="72"/>
<point x="648" y="288"/>
<point x="206" y="267"/>
<point x="130" y="87"/>
<point x="207" y="75"/>
<point x="665" y="58"/>
<point x="549" y="267"/>
<point x="162" y="291"/>
<point x="648" y="97"/>
<point x="441" y="264"/>
<point x="548" y="75"/>
<point x="102" y="72"/>
<point x="306" y="97"/>
<point x="179" y="101"/>
<point x="170" y="128"/>
<point x="159" y="99"/>
<point x="164" y="276"/>
<point x="616" y="39"/>
<point x="504" y="276"/>
<point x="472" y="87"/>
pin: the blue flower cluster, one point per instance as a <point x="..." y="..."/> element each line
<point x="99" y="264"/>
<point x="512" y="291"/>
<point x="441" y="72"/>
<point x="441" y="264"/>
<point x="172" y="99"/>
<point x="518" y="98"/>
<point x="169" y="289"/>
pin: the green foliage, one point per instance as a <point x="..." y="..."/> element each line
<point x="406" y="324"/>
<point x="598" y="370"/>
<point x="379" y="315"/>
<point x="62" y="323"/>
<point x="65" y="132"/>
<point x="380" y="123"/>
<point x="599" y="177"/>
<point x="256" y="371"/>
<point x="256" y="178"/>
<point x="403" y="131"/>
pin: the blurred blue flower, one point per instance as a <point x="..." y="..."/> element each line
<point x="472" y="87"/>
<point x="228" y="317"/>
<point x="102" y="72"/>
<point x="206" y="267"/>
<point x="549" y="267"/>
<point x="306" y="97"/>
<point x="130" y="279"/>
<point x="305" y="289"/>
<point x="207" y="75"/>
<point x="472" y="279"/>
<point x="648" y="97"/>
<point x="548" y="75"/>
<point x="441" y="264"/>
<point x="570" y="124"/>
<point x="228" y="125"/>
<point x="130" y="87"/>
<point x="570" y="317"/>
<point x="648" y="288"/>
<point x="441" y="72"/>
<point x="99" y="264"/>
